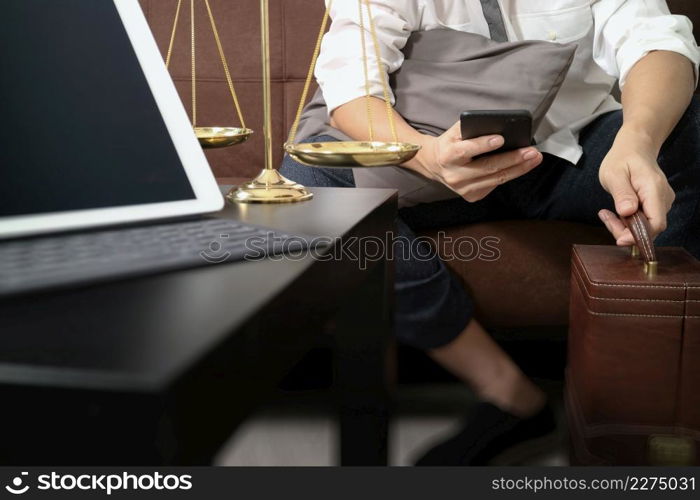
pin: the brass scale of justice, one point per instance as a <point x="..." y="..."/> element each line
<point x="270" y="186"/>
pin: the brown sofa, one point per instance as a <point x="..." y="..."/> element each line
<point x="527" y="287"/>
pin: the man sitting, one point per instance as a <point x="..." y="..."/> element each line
<point x="595" y="160"/>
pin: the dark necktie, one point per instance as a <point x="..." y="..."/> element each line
<point x="494" y="18"/>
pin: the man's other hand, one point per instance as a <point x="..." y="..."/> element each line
<point x="631" y="174"/>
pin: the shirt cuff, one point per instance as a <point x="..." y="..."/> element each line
<point x="656" y="38"/>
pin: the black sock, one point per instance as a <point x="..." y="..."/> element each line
<point x="487" y="433"/>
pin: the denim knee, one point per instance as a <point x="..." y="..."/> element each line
<point x="680" y="161"/>
<point x="693" y="111"/>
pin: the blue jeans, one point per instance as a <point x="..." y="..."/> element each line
<point x="432" y="308"/>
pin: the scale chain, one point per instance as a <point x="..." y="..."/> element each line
<point x="224" y="63"/>
<point x="194" y="67"/>
<point x="382" y="73"/>
<point x="172" y="35"/>
<point x="365" y="68"/>
<point x="222" y="56"/>
<point x="310" y="74"/>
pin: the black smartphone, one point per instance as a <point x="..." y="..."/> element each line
<point x="514" y="125"/>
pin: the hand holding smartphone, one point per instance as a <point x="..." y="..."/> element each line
<point x="454" y="160"/>
<point x="514" y="125"/>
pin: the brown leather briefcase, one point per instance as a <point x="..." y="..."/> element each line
<point x="633" y="376"/>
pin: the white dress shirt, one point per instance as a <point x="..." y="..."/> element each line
<point x="612" y="36"/>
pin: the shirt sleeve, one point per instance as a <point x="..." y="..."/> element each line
<point x="340" y="71"/>
<point x="627" y="30"/>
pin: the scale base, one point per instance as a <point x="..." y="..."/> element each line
<point x="270" y="187"/>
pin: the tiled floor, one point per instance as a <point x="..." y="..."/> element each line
<point x="308" y="437"/>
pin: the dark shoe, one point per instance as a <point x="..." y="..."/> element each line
<point x="488" y="434"/>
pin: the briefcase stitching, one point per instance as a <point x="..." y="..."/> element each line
<point x="585" y="289"/>
<point x="619" y="285"/>
<point x="630" y="315"/>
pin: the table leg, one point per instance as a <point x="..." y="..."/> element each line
<point x="362" y="340"/>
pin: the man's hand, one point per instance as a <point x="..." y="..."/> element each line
<point x="450" y="160"/>
<point x="632" y="176"/>
<point x="658" y="89"/>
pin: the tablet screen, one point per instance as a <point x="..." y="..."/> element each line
<point x="79" y="126"/>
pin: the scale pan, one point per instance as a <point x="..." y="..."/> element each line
<point x="352" y="154"/>
<point x="221" y="137"/>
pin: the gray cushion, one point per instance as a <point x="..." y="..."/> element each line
<point x="446" y="72"/>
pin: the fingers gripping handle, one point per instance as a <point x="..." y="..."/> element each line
<point x="638" y="224"/>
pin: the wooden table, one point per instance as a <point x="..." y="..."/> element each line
<point x="162" y="369"/>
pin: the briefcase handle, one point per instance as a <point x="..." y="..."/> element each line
<point x="639" y="225"/>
